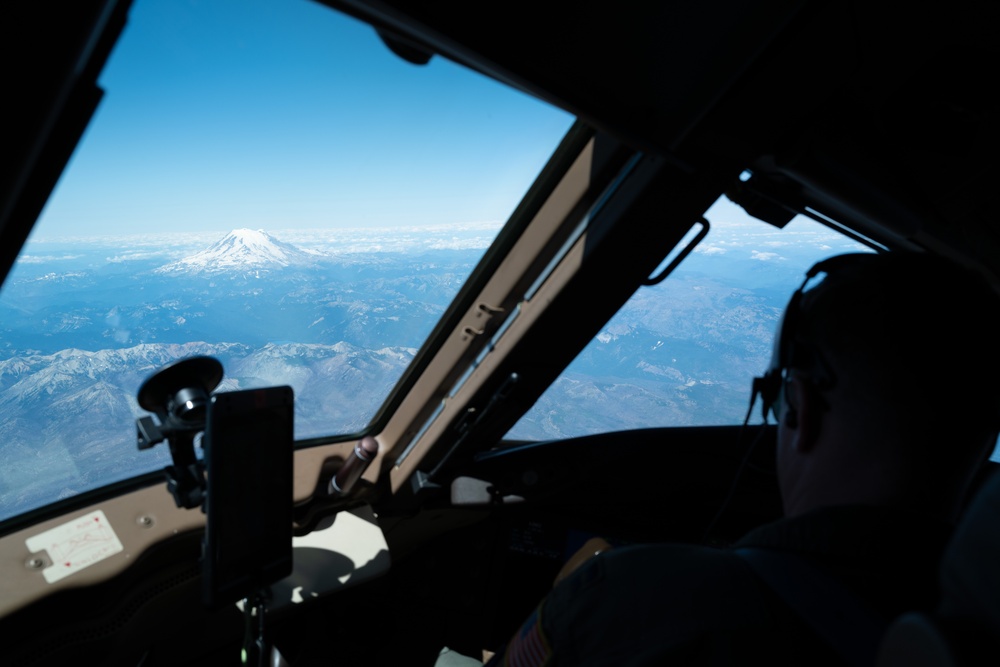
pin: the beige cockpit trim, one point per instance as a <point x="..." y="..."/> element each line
<point x="484" y="317"/>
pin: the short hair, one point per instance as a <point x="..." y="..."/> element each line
<point x="913" y="339"/>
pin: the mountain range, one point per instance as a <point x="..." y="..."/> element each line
<point x="69" y="417"/>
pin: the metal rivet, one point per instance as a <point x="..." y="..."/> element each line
<point x="145" y="521"/>
<point x="35" y="563"/>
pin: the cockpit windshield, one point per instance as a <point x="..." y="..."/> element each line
<point x="265" y="183"/>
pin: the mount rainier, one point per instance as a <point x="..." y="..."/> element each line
<point x="243" y="249"/>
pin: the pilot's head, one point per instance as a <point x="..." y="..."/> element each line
<point x="885" y="382"/>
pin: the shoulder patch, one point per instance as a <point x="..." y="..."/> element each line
<point x="529" y="647"/>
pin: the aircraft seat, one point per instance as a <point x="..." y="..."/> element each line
<point x="966" y="628"/>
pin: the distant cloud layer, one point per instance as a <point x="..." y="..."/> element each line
<point x="136" y="247"/>
<point x="42" y="259"/>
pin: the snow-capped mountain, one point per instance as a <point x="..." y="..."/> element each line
<point x="241" y="250"/>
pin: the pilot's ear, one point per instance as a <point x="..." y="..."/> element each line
<point x="800" y="414"/>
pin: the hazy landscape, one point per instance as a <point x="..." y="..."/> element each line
<point x="83" y="324"/>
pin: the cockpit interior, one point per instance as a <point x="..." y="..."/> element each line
<point x="472" y="329"/>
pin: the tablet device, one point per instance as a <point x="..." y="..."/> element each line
<point x="248" y="444"/>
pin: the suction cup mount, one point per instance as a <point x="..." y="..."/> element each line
<point x="178" y="395"/>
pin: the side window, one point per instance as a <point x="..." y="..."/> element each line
<point x="684" y="352"/>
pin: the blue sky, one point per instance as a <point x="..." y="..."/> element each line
<point x="285" y="114"/>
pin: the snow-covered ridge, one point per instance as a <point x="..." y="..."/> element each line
<point x="243" y="249"/>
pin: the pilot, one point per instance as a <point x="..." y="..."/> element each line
<point x="884" y="385"/>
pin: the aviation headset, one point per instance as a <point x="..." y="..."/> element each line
<point x="790" y="350"/>
<point x="793" y="351"/>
